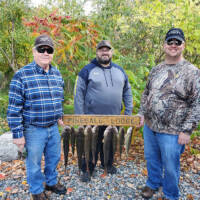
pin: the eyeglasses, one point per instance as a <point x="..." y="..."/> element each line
<point x="49" y="50"/>
<point x="104" y="49"/>
<point x="175" y="42"/>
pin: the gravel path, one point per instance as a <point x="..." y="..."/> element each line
<point x="125" y="185"/>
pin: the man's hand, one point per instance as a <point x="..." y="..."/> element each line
<point x="20" y="142"/>
<point x="141" y="120"/>
<point x="183" y="138"/>
<point x="60" y="122"/>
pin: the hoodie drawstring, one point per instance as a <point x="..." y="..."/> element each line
<point x="106" y="78"/>
<point x="111" y="76"/>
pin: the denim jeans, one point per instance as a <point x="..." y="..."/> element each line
<point x="42" y="141"/>
<point x="162" y="153"/>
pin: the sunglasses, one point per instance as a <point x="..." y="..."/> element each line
<point x="175" y="42"/>
<point x="49" y="50"/>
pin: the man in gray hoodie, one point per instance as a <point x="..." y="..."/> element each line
<point x="100" y="89"/>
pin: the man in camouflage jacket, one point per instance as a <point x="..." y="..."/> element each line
<point x="169" y="108"/>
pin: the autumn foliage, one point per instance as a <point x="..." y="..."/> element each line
<point x="72" y="37"/>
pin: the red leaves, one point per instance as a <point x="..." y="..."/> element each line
<point x="2" y="176"/>
<point x="8" y="189"/>
<point x="71" y="36"/>
<point x="69" y="190"/>
<point x="52" y="26"/>
<point x="103" y="175"/>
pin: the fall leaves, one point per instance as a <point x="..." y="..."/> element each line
<point x="71" y="36"/>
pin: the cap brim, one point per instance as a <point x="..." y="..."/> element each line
<point x="175" y="37"/>
<point x="104" y="46"/>
<point x="43" y="45"/>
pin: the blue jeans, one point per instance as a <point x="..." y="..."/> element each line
<point x="41" y="141"/>
<point x="162" y="153"/>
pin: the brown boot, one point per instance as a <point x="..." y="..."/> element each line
<point x="41" y="196"/>
<point x="147" y="192"/>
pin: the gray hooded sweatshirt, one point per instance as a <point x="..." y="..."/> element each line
<point x="101" y="90"/>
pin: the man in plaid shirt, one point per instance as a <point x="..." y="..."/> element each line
<point x="34" y="112"/>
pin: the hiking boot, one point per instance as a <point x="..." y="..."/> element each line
<point x="41" y="196"/>
<point x="85" y="177"/>
<point x="57" y="188"/>
<point x="147" y="192"/>
<point x="112" y="170"/>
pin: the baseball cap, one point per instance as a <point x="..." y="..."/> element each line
<point x="104" y="43"/>
<point x="175" y="33"/>
<point x="44" y="40"/>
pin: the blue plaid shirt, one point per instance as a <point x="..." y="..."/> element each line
<point x="35" y="98"/>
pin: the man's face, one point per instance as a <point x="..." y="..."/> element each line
<point x="43" y="55"/>
<point x="104" y="55"/>
<point x="174" y="48"/>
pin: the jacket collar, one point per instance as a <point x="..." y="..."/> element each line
<point x="41" y="70"/>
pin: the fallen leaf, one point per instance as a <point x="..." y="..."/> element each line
<point x="190" y="197"/>
<point x="62" y="172"/>
<point x="74" y="162"/>
<point x="69" y="190"/>
<point x="2" y="176"/>
<point x="191" y="159"/>
<point x="115" y="188"/>
<point x="108" y="196"/>
<point x="132" y="176"/>
<point x="102" y="175"/>
<point x="130" y="185"/>
<point x="15" y="191"/>
<point x="8" y="189"/>
<point x="197" y="165"/>
<point x="66" y="178"/>
<point x="144" y="172"/>
<point x="1" y="194"/>
<point x="24" y="182"/>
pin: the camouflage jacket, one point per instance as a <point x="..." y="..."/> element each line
<point x="170" y="101"/>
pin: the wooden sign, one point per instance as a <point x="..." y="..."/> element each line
<point x="101" y="120"/>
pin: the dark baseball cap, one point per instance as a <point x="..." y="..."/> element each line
<point x="44" y="40"/>
<point x="104" y="43"/>
<point x="175" y="33"/>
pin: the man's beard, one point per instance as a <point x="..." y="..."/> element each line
<point x="102" y="61"/>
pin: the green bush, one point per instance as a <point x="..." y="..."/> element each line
<point x="3" y="126"/>
<point x="4" y="105"/>
<point x="68" y="109"/>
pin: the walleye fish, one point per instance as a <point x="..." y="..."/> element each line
<point x="95" y="131"/>
<point x="80" y="145"/>
<point x="128" y="137"/>
<point x="121" y="140"/>
<point x="73" y="139"/>
<point x="87" y="144"/>
<point x="114" y="139"/>
<point x="106" y="147"/>
<point x="66" y="138"/>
